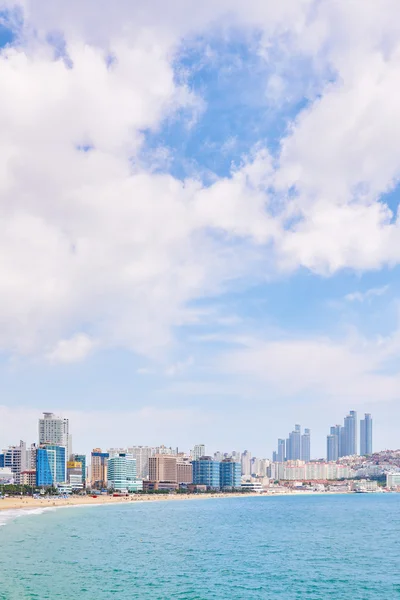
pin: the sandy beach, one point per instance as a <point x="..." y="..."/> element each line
<point x="30" y="503"/>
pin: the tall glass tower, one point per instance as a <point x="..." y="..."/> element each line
<point x="366" y="435"/>
<point x="306" y="445"/>
<point x="349" y="439"/>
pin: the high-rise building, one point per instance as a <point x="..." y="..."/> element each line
<point x="245" y="461"/>
<point x="332" y="450"/>
<point x="121" y="473"/>
<point x="230" y="474"/>
<point x="306" y="446"/>
<point x="184" y="470"/>
<point x="198" y="451"/>
<point x="99" y="462"/>
<point x="50" y="465"/>
<point x="16" y="459"/>
<point x="281" y="451"/>
<point x="366" y="435"/>
<point x="74" y="474"/>
<point x="293" y="444"/>
<point x="82" y="459"/>
<point x="55" y="430"/>
<point x="206" y="471"/>
<point x="162" y="468"/>
<point x="349" y="439"/>
<point x="142" y="455"/>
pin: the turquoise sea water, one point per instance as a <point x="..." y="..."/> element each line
<point x="311" y="547"/>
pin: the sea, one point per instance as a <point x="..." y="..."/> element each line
<point x="288" y="547"/>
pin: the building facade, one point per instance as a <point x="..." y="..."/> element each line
<point x="50" y="465"/>
<point x="198" y="451"/>
<point x="99" y="463"/>
<point x="206" y="472"/>
<point x="349" y="437"/>
<point x="366" y="435"/>
<point x="81" y="458"/>
<point x="184" y="471"/>
<point x="142" y="455"/>
<point x="306" y="446"/>
<point x="230" y="474"/>
<point x="163" y="468"/>
<point x="332" y="450"/>
<point x="74" y="474"/>
<point x="121" y="473"/>
<point x="16" y="459"/>
<point x="55" y="430"/>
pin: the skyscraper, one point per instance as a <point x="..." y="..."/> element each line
<point x="332" y="451"/>
<point x="350" y="434"/>
<point x="306" y="446"/>
<point x="55" y="430"/>
<point x="281" y="451"/>
<point x="295" y="443"/>
<point x="366" y="435"/>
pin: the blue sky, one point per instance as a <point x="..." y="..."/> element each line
<point x="223" y="259"/>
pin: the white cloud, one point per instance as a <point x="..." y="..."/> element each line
<point x="73" y="350"/>
<point x="98" y="238"/>
<point x="371" y="293"/>
<point x="352" y="370"/>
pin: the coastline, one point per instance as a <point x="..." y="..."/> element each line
<point x="28" y="503"/>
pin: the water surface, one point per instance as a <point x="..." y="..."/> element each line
<point x="312" y="547"/>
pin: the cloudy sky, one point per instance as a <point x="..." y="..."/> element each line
<point x="199" y="230"/>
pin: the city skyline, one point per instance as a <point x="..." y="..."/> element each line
<point x="340" y="441"/>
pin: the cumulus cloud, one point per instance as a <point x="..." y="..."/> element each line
<point x="73" y="350"/>
<point x="371" y="293"/>
<point x="350" y="370"/>
<point x="90" y="234"/>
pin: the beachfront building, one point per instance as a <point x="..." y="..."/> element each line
<point x="163" y="473"/>
<point x="28" y="477"/>
<point x="184" y="471"/>
<point x="55" y="430"/>
<point x="81" y="458"/>
<point x="74" y="474"/>
<point x="99" y="463"/>
<point x="121" y="473"/>
<point x="230" y="474"/>
<point x="16" y="459"/>
<point x="6" y="476"/>
<point x="50" y="465"/>
<point x="206" y="471"/>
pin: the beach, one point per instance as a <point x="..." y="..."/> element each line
<point x="15" y="503"/>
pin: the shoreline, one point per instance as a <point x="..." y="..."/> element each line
<point x="27" y="503"/>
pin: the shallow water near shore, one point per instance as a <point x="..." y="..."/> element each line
<point x="314" y="547"/>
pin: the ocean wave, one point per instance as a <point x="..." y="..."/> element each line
<point x="14" y="513"/>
